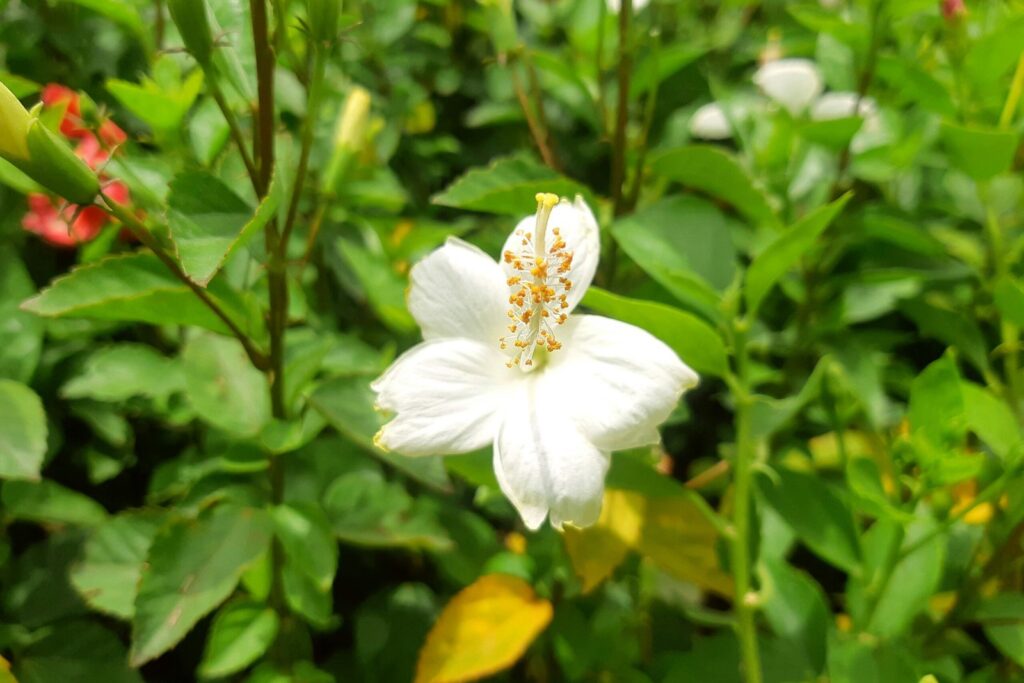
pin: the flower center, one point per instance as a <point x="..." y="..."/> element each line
<point x="537" y="287"/>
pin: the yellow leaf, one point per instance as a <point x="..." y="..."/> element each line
<point x="680" y="540"/>
<point x="596" y="551"/>
<point x="485" y="628"/>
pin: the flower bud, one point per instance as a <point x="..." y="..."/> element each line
<point x="349" y="136"/>
<point x="53" y="164"/>
<point x="26" y="142"/>
<point x="322" y="17"/>
<point x="194" y="26"/>
<point x="953" y="10"/>
<point x="14" y="121"/>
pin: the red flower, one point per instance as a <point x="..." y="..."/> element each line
<point x="953" y="10"/>
<point x="67" y="225"/>
<point x="72" y="125"/>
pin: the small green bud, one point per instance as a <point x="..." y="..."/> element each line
<point x="194" y="26"/>
<point x="322" y="16"/>
<point x="14" y="122"/>
<point x="53" y="164"/>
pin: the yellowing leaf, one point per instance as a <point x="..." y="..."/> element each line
<point x="485" y="628"/>
<point x="680" y="540"/>
<point x="596" y="551"/>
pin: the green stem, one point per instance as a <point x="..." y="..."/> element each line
<point x="745" y="599"/>
<point x="1013" y="98"/>
<point x="1009" y="333"/>
<point x="602" y="99"/>
<point x="142" y="233"/>
<point x="234" y="128"/>
<point x="650" y="105"/>
<point x="308" y="129"/>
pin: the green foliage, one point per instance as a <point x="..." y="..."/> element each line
<point x="192" y="478"/>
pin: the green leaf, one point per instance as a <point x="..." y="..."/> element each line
<point x="685" y="245"/>
<point x="208" y="222"/>
<point x="347" y="403"/>
<point x="305" y="597"/>
<point x="936" y="407"/>
<point x="662" y="63"/>
<point x="1009" y="296"/>
<point x="22" y="431"/>
<point x="711" y="170"/>
<point x="508" y="186"/>
<point x="383" y="288"/>
<point x="241" y="633"/>
<point x="979" y="152"/>
<point x="816" y="514"/>
<point x="951" y="327"/>
<point x="784" y="252"/>
<point x="365" y="509"/>
<point x="1002" y="618"/>
<point x="119" y="372"/>
<point x="75" y="650"/>
<point x="50" y="503"/>
<point x="160" y="108"/>
<point x="991" y="419"/>
<point x="913" y="580"/>
<point x="832" y="133"/>
<point x="305" y="534"/>
<point x="107" y="576"/>
<point x="693" y="340"/>
<point x="136" y="288"/>
<point x="19" y="86"/>
<point x="223" y="386"/>
<point x="121" y="12"/>
<point x="192" y="567"/>
<point x="21" y="333"/>
<point x="797" y="611"/>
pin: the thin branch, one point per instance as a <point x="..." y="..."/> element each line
<point x="308" y="129"/>
<point x="236" y="133"/>
<point x="625" y="69"/>
<point x="257" y="357"/>
<point x="537" y="131"/>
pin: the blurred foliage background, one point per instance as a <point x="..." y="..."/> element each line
<point x="840" y="500"/>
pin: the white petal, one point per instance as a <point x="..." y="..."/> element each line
<point x="617" y="381"/>
<point x="459" y="291"/>
<point x="544" y="465"/>
<point x="792" y="83"/>
<point x="579" y="229"/>
<point x="710" y="123"/>
<point x="838" y="105"/>
<point x="447" y="396"/>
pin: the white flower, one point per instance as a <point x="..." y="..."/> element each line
<point x="710" y="123"/>
<point x="838" y="105"/>
<point x="615" y="5"/>
<point x="792" y="83"/>
<point x="505" y="362"/>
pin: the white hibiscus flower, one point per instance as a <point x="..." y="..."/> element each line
<point x="505" y="361"/>
<point x="791" y="83"/>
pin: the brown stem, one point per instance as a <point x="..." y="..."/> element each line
<point x="537" y="132"/>
<point x="236" y="133"/>
<point x="308" y="128"/>
<point x="618" y="174"/>
<point x="265" y="89"/>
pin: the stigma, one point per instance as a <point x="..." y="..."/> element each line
<point x="538" y="287"/>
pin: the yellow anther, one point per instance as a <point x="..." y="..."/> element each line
<point x="546" y="199"/>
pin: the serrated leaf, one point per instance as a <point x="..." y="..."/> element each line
<point x="107" y="576"/>
<point x="136" y="288"/>
<point x="693" y="340"/>
<point x="22" y="431"/>
<point x="240" y="634"/>
<point x="119" y="372"/>
<point x="21" y="333"/>
<point x="784" y="252"/>
<point x="191" y="568"/>
<point x="507" y="186"/>
<point x="711" y="170"/>
<point x="208" y="221"/>
<point x="48" y="502"/>
<point x="485" y="628"/>
<point x="223" y="386"/>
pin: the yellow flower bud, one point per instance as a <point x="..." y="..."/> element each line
<point x="352" y="122"/>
